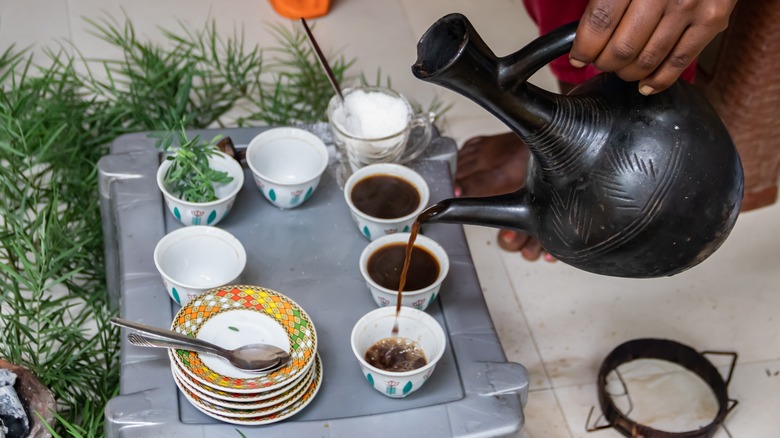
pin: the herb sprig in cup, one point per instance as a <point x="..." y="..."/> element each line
<point x="190" y="177"/>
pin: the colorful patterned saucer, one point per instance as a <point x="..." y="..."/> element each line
<point x="237" y="397"/>
<point x="293" y="408"/>
<point x="287" y="393"/>
<point x="232" y="316"/>
<point x="241" y="412"/>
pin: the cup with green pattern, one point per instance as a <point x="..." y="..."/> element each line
<point x="204" y="213"/>
<point x="385" y="198"/>
<point x="192" y="260"/>
<point x="415" y="328"/>
<point x="287" y="164"/>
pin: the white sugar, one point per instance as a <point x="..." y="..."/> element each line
<point x="372" y="114"/>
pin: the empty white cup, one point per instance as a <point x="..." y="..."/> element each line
<point x="192" y="260"/>
<point x="287" y="164"/>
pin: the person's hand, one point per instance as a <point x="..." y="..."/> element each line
<point x="650" y="41"/>
<point x="529" y="247"/>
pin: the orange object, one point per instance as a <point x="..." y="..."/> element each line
<point x="301" y="8"/>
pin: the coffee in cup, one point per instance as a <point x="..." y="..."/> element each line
<point x="384" y="267"/>
<point x="385" y="198"/>
<point x="416" y="325"/>
<point x="381" y="264"/>
<point x="396" y="354"/>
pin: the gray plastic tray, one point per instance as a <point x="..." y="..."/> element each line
<point x="309" y="254"/>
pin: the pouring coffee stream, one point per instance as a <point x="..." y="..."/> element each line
<point x="618" y="183"/>
<point x="421" y="219"/>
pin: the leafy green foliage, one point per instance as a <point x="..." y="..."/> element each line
<point x="198" y="76"/>
<point x="190" y="177"/>
<point x="52" y="286"/>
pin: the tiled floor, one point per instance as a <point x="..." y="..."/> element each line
<point x="557" y="321"/>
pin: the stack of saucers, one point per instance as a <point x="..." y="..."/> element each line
<point x="233" y="316"/>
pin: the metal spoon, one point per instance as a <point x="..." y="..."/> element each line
<point x="323" y="60"/>
<point x="250" y="358"/>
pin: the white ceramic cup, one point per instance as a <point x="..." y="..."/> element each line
<point x="413" y="324"/>
<point x="373" y="227"/>
<point x="419" y="299"/>
<point x="373" y="125"/>
<point x="205" y="213"/>
<point x="287" y="164"/>
<point x="192" y="260"/>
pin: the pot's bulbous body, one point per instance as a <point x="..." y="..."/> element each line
<point x="619" y="183"/>
<point x="636" y="196"/>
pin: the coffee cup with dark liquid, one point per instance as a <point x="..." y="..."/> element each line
<point x="385" y="198"/>
<point x="381" y="263"/>
<point x="396" y="366"/>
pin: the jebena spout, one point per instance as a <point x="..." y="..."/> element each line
<point x="509" y="211"/>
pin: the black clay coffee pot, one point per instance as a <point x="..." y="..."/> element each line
<point x="618" y="183"/>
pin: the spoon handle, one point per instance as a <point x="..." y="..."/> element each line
<point x="185" y="342"/>
<point x="146" y="341"/>
<point x="323" y="60"/>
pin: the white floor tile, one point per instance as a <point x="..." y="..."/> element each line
<point x="377" y="35"/>
<point x="576" y="403"/>
<point x="728" y="302"/>
<point x="504" y="308"/>
<point x="757" y="388"/>
<point x="150" y="18"/>
<point x="543" y="417"/>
